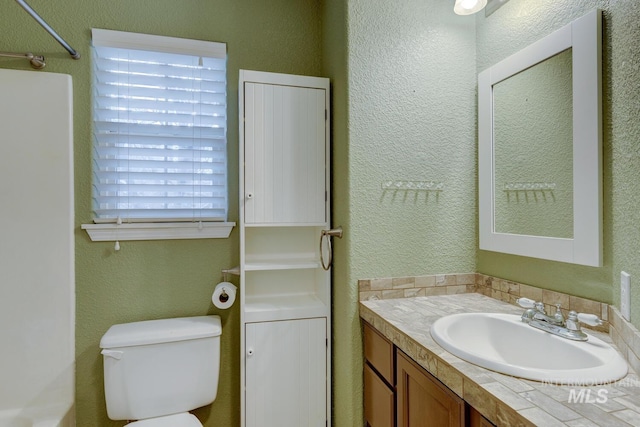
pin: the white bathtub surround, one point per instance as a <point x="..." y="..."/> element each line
<point x="37" y="301"/>
<point x="52" y="415"/>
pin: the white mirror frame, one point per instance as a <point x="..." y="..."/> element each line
<point x="584" y="36"/>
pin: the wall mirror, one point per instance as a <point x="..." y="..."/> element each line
<point x="539" y="149"/>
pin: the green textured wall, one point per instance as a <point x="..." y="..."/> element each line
<point x="411" y="118"/>
<point x="516" y="25"/>
<point x="404" y="109"/>
<point x="346" y="342"/>
<point x="159" y="279"/>
<point x="622" y="137"/>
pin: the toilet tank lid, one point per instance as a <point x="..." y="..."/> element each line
<point x="161" y="331"/>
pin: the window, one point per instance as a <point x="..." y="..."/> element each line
<point x="159" y="126"/>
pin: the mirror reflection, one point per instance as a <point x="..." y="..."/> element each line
<point x="533" y="150"/>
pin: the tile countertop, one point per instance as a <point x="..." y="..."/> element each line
<point x="504" y="400"/>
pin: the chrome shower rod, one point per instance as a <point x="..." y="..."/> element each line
<point x="74" y="54"/>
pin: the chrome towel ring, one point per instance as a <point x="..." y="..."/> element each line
<point x="334" y="232"/>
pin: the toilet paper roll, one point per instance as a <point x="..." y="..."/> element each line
<point x="224" y="295"/>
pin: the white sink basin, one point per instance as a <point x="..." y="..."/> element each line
<point x="502" y="343"/>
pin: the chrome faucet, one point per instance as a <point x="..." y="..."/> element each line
<point x="535" y="315"/>
<point x="537" y="312"/>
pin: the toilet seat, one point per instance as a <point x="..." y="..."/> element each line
<point x="184" y="419"/>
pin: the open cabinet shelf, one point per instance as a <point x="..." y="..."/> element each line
<point x="282" y="307"/>
<point x="296" y="265"/>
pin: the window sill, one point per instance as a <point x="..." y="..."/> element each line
<point x="158" y="231"/>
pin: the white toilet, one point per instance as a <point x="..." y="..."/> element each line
<point x="156" y="371"/>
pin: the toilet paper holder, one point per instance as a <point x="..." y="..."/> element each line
<point x="234" y="271"/>
<point x="223" y="297"/>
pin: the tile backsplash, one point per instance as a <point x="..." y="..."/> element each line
<point x="626" y="337"/>
<point x="624" y="334"/>
<point x="494" y="287"/>
<point x="418" y="286"/>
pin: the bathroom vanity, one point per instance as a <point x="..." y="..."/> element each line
<point x="396" y="387"/>
<point x="409" y="378"/>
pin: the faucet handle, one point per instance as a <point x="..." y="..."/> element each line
<point x="529" y="303"/>
<point x="573" y="322"/>
<point x="525" y="302"/>
<point x="589" y="319"/>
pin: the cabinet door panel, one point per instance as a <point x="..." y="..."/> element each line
<point x="422" y="401"/>
<point x="285" y="154"/>
<point x="286" y="380"/>
<point x="378" y="400"/>
<point x="475" y="419"/>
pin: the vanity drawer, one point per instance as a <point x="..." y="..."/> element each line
<point x="379" y="400"/>
<point x="379" y="352"/>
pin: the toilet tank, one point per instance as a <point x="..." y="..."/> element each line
<point x="161" y="367"/>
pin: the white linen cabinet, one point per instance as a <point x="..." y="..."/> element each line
<point x="285" y="293"/>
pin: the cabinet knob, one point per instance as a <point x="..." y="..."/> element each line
<point x="249" y="195"/>
<point x="250" y="352"/>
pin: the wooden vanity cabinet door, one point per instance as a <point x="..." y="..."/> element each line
<point x="422" y="401"/>
<point x="475" y="419"/>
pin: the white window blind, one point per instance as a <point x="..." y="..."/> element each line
<point x="159" y="125"/>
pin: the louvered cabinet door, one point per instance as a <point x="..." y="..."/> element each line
<point x="286" y="381"/>
<point x="284" y="154"/>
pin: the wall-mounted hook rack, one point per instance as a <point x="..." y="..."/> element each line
<point x="530" y="186"/>
<point x="402" y="185"/>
